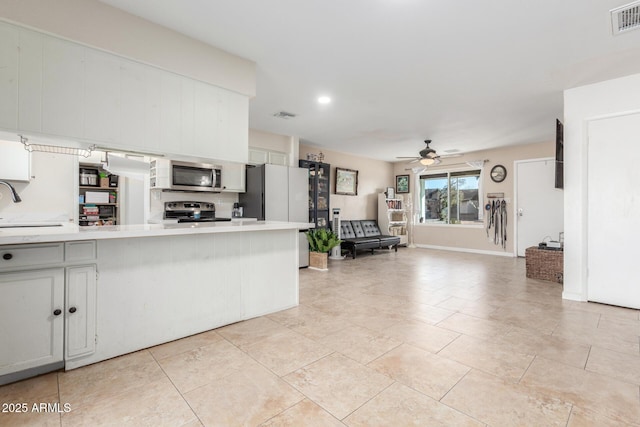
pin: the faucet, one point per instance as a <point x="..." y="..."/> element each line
<point x="14" y="194"/>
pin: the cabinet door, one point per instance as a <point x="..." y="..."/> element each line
<point x="205" y="119"/>
<point x="132" y="104"/>
<point x="232" y="142"/>
<point x="233" y="177"/>
<point x="101" y="96"/>
<point x="258" y="157"/>
<point x="153" y="100"/>
<point x="62" y="88"/>
<point x="31" y="333"/>
<point x="170" y="112"/>
<point x="80" y="311"/>
<point x="278" y="158"/>
<point x="187" y="129"/>
<point x="8" y="76"/>
<point x="30" y="81"/>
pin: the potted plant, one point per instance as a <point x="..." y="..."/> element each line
<point x="321" y="241"/>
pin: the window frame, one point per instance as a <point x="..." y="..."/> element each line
<point x="448" y="174"/>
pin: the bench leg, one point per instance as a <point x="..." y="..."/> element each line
<point x="395" y="247"/>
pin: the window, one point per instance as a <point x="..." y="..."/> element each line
<point x="450" y="198"/>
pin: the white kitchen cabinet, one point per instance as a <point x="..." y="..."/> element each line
<point x="206" y="119"/>
<point x="187" y="119"/>
<point x="63" y="80"/>
<point x="132" y="108"/>
<point x="8" y="76"/>
<point x="47" y="306"/>
<point x="80" y="311"/>
<point x="15" y="161"/>
<point x="258" y="156"/>
<point x="31" y="307"/>
<point x="101" y="96"/>
<point x="170" y="112"/>
<point x="233" y="177"/>
<point x="64" y="89"/>
<point x="30" y="81"/>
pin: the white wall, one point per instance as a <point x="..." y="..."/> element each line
<point x="50" y="192"/>
<point x="98" y="25"/>
<point x="582" y="105"/>
<point x="373" y="177"/>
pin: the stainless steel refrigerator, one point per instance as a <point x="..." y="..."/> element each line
<point x="278" y="193"/>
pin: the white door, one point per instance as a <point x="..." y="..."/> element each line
<point x="539" y="205"/>
<point x="613" y="226"/>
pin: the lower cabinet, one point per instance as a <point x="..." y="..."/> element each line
<point x="32" y="320"/>
<point x="47" y="313"/>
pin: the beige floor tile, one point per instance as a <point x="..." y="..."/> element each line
<point x="529" y="315"/>
<point x="308" y="321"/>
<point x="502" y="403"/>
<point x="30" y="390"/>
<point x="29" y="416"/>
<point x="244" y="333"/>
<point x="492" y="357"/>
<point x="625" y="367"/>
<point x="185" y="344"/>
<point x="399" y="405"/>
<point x="154" y="404"/>
<point x="286" y="351"/>
<point x="246" y="398"/>
<point x="478" y="308"/>
<point x="608" y="396"/>
<point x="338" y="384"/>
<point x="360" y="344"/>
<point x="587" y="418"/>
<point x="597" y="337"/>
<point x="115" y="376"/>
<point x="423" y="312"/>
<point x="203" y="365"/>
<point x="305" y="413"/>
<point x="551" y="347"/>
<point x="474" y="326"/>
<point x="420" y="334"/>
<point x="425" y="372"/>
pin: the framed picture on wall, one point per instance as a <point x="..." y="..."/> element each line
<point x="346" y="182"/>
<point x="402" y="184"/>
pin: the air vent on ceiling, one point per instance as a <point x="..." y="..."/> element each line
<point x="284" y="115"/>
<point x="625" y="18"/>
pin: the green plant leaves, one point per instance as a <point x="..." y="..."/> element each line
<point x="322" y="240"/>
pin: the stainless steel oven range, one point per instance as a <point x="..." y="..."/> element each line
<point x="192" y="212"/>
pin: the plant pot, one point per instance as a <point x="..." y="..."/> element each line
<point x="318" y="261"/>
<point x="104" y="182"/>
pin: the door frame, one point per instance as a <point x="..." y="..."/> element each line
<point x="516" y="163"/>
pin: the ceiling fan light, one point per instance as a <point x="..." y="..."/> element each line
<point x="427" y="161"/>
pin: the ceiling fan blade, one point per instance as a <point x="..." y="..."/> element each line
<point x="407" y="157"/>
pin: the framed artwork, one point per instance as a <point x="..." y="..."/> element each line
<point x="402" y="184"/>
<point x="346" y="182"/>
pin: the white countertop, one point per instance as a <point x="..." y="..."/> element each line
<point x="70" y="232"/>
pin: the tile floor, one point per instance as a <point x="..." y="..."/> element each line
<point x="421" y="337"/>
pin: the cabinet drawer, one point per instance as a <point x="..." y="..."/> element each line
<point x="31" y="255"/>
<point x="80" y="251"/>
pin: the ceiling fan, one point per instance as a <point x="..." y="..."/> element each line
<point x="427" y="156"/>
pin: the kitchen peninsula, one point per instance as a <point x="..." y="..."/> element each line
<point x="117" y="289"/>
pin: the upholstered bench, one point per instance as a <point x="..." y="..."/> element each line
<point x="365" y="234"/>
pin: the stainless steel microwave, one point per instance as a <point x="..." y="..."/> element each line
<point x="185" y="176"/>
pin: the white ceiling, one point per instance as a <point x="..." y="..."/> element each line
<point x="467" y="74"/>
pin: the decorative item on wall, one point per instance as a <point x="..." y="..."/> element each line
<point x="402" y="183"/>
<point x="498" y="173"/>
<point x="346" y="182"/>
<point x="391" y="193"/>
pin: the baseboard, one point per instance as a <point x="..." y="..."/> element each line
<point x="573" y="296"/>
<point x="467" y="250"/>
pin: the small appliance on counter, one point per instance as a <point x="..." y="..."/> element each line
<point x="237" y="211"/>
<point x="192" y="212"/>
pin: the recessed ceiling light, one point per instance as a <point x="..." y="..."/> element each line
<point x="324" y="100"/>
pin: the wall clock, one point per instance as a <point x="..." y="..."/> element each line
<point x="498" y="173"/>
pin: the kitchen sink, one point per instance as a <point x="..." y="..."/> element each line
<point x="29" y="224"/>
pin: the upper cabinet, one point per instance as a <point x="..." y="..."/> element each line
<point x="55" y="87"/>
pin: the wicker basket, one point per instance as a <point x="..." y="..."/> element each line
<point x="544" y="264"/>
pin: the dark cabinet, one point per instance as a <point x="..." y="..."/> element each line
<point x="319" y="179"/>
